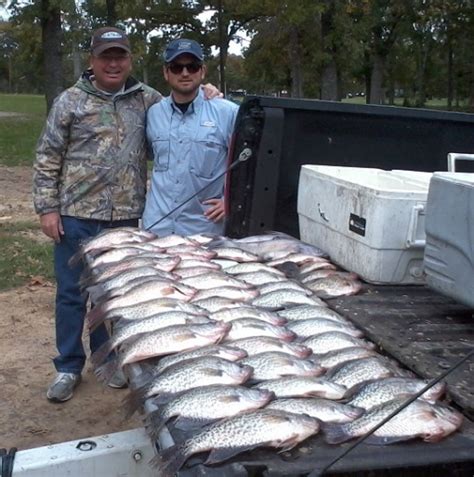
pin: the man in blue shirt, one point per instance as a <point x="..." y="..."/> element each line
<point x="190" y="140"/>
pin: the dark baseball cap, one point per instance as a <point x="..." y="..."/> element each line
<point x="181" y="46"/>
<point x="109" y="37"/>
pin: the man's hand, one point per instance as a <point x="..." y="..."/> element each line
<point x="217" y="211"/>
<point x="52" y="226"/>
<point x="211" y="91"/>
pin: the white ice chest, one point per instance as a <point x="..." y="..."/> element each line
<point x="370" y="221"/>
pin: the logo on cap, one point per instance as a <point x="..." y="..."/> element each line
<point x="111" y="35"/>
<point x="184" y="45"/>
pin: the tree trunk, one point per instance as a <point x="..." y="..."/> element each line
<point x="450" y="72"/>
<point x="421" y="80"/>
<point x="329" y="83"/>
<point x="294" y="55"/>
<point x="52" y="61"/>
<point x="111" y="12"/>
<point x="222" y="49"/>
<point x="376" y="80"/>
<point x="76" y="62"/>
<point x="471" y="87"/>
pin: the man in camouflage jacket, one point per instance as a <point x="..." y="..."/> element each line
<point x="89" y="175"/>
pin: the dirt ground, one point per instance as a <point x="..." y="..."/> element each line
<point x="27" y="346"/>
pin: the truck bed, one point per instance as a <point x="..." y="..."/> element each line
<point x="427" y="333"/>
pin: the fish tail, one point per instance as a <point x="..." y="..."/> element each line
<point x="96" y="292"/>
<point x="100" y="354"/>
<point x="335" y="433"/>
<point x="105" y="372"/>
<point x="96" y="316"/>
<point x="154" y="422"/>
<point x="134" y="400"/>
<point x="169" y="461"/>
<point x="76" y="258"/>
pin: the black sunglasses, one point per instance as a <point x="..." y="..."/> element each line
<point x="177" y="68"/>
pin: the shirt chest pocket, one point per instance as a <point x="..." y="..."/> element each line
<point x="161" y="153"/>
<point x="209" y="153"/>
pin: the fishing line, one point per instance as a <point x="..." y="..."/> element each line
<point x="243" y="156"/>
<point x="318" y="473"/>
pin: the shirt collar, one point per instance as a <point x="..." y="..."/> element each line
<point x="194" y="106"/>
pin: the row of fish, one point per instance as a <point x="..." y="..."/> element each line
<point x="236" y="331"/>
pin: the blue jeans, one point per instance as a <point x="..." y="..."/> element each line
<point x="70" y="302"/>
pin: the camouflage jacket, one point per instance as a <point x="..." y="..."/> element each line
<point x="91" y="156"/>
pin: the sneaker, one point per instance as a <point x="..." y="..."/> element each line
<point x="61" y="389"/>
<point x="118" y="380"/>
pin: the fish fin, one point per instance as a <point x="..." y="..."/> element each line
<point x="105" y="372"/>
<point x="213" y="371"/>
<point x="164" y="398"/>
<point x="154" y="423"/>
<point x="168" y="462"/>
<point x="134" y="400"/>
<point x="288" y="444"/>
<point x="220" y="455"/>
<point x="335" y="433"/>
<point x="190" y="424"/>
<point x="229" y="399"/>
<point x="100" y="354"/>
<point x="167" y="291"/>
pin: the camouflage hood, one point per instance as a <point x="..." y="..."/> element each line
<point x="91" y="155"/>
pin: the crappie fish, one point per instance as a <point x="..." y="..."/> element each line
<point x="260" y="278"/>
<point x="231" y="292"/>
<point x="306" y="312"/>
<point x="140" y="294"/>
<point x="213" y="280"/>
<point x="224" y="263"/>
<point x="360" y="370"/>
<point x="194" y="250"/>
<point x="230" y="353"/>
<point x="314" y="265"/>
<point x="250" y="267"/>
<point x="171" y="339"/>
<point x="110" y="237"/>
<point x="333" y="358"/>
<point x="172" y="240"/>
<point x="113" y="255"/>
<point x="420" y="419"/>
<point x="247" y="327"/>
<point x="274" y="365"/>
<point x="196" y="262"/>
<point x="246" y="311"/>
<point x="316" y="326"/>
<point x="299" y="259"/>
<point x="186" y="375"/>
<point x="303" y="386"/>
<point x="217" y="303"/>
<point x="236" y="254"/>
<point x="133" y="329"/>
<point x="378" y="392"/>
<point x="334" y="286"/>
<point x="200" y="406"/>
<point x="202" y="239"/>
<point x="317" y="275"/>
<point x="142" y="310"/>
<point x="282" y="298"/>
<point x="262" y="344"/>
<point x="322" y="409"/>
<point x="287" y="284"/>
<point x="229" y="437"/>
<point x="192" y="271"/>
<point x="334" y="340"/>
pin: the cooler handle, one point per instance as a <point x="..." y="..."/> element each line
<point x="412" y="241"/>
<point x="457" y="156"/>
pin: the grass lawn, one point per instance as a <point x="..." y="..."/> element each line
<point x="19" y="133"/>
<point x="23" y="258"/>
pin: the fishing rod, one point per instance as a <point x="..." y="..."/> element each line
<point x="320" y="472"/>
<point x="243" y="156"/>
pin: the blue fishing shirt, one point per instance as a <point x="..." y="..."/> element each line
<point x="189" y="151"/>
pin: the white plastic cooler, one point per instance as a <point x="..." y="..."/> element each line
<point x="449" y="253"/>
<point x="369" y="221"/>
